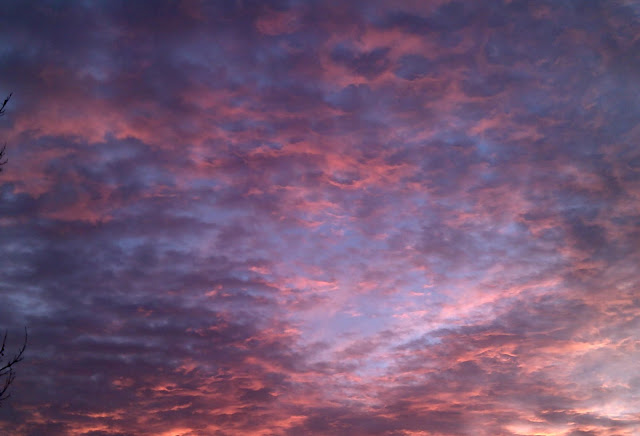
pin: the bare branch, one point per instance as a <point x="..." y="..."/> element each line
<point x="4" y="147"/>
<point x="7" y="372"/>
<point x="6" y="100"/>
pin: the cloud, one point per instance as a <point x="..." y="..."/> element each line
<point x="310" y="218"/>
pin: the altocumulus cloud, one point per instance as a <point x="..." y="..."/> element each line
<point x="356" y="218"/>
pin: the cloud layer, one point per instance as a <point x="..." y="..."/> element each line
<point x="333" y="218"/>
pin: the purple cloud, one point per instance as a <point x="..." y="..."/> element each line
<point x="283" y="217"/>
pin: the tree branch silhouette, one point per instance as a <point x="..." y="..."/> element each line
<point x="4" y="147"/>
<point x="7" y="373"/>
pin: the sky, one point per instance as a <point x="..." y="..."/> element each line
<point x="289" y="218"/>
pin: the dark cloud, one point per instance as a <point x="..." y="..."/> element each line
<point x="413" y="67"/>
<point x="369" y="64"/>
